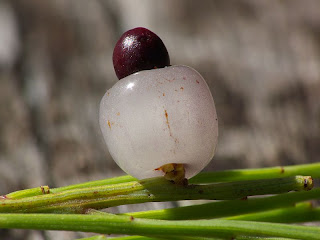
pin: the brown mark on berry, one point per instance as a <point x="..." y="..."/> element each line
<point x="197" y="81"/>
<point x="159" y="82"/>
<point x="170" y="80"/>
<point x="167" y="121"/>
<point x="176" y="140"/>
<point x="281" y="170"/>
<point x="131" y="218"/>
<point x="109" y="124"/>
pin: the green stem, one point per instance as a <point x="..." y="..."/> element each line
<point x="134" y="238"/>
<point x="102" y="237"/>
<point x="164" y="238"/>
<point x="149" y="190"/>
<point x="28" y="193"/>
<point x="108" y="224"/>
<point x="40" y="191"/>
<point x="312" y="169"/>
<point x="94" y="212"/>
<point x="263" y="238"/>
<point x="97" y="237"/>
<point x="229" y="208"/>
<point x="303" y="212"/>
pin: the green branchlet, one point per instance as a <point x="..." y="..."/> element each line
<point x="243" y="219"/>
<point x="149" y="190"/>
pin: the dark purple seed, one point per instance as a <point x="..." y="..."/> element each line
<point x="139" y="49"/>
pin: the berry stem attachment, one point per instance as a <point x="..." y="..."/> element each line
<point x="174" y="172"/>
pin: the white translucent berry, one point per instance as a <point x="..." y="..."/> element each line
<point x="160" y="116"/>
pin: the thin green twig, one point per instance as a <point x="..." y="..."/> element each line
<point x="108" y="224"/>
<point x="165" y="238"/>
<point x="134" y="238"/>
<point x="303" y="212"/>
<point x="97" y="237"/>
<point x="263" y="238"/>
<point x="149" y="190"/>
<point x="312" y="169"/>
<point x="46" y="190"/>
<point x="229" y="208"/>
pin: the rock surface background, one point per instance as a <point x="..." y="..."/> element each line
<point x="261" y="60"/>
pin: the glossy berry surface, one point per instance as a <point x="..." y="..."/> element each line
<point x="158" y="117"/>
<point x="139" y="49"/>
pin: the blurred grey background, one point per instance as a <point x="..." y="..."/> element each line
<point x="261" y="60"/>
